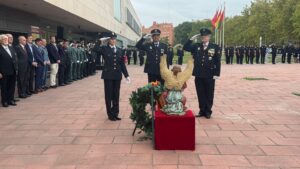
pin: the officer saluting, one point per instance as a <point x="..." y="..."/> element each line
<point x="207" y="61"/>
<point x="154" y="51"/>
<point x="113" y="68"/>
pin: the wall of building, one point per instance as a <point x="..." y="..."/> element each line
<point x="167" y="30"/>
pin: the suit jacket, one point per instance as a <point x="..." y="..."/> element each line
<point x="8" y="64"/>
<point x="207" y="62"/>
<point x="22" y="56"/>
<point x="31" y="56"/>
<point x="153" y="55"/>
<point x="39" y="57"/>
<point x="114" y="64"/>
<point x="53" y="53"/>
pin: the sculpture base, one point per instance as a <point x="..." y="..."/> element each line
<point x="174" y="132"/>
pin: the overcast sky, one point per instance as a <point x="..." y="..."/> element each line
<point x="178" y="11"/>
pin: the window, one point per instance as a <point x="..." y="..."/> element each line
<point x="117" y="9"/>
<point x="131" y="22"/>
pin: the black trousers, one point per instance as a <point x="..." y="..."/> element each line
<point x="31" y="74"/>
<point x="22" y="81"/>
<point x="273" y="58"/>
<point x="154" y="78"/>
<point x="251" y="60"/>
<point x="128" y="58"/>
<point x="180" y="60"/>
<point x="141" y="60"/>
<point x="257" y="59"/>
<point x="112" y="95"/>
<point x="67" y="77"/>
<point x="238" y="59"/>
<point x="170" y="60"/>
<point x="61" y="74"/>
<point x="241" y="59"/>
<point x="262" y="59"/>
<point x="247" y="59"/>
<point x="8" y="84"/>
<point x="227" y="59"/>
<point x="134" y="59"/>
<point x="205" y="88"/>
<point x="231" y="59"/>
<point x="283" y="57"/>
<point x="289" y="58"/>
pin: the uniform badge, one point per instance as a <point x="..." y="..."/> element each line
<point x="210" y="58"/>
<point x="162" y="51"/>
<point x="211" y="52"/>
<point x="150" y="47"/>
<point x="198" y="48"/>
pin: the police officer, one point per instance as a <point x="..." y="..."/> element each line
<point x="237" y="54"/>
<point x="274" y="53"/>
<point x="114" y="67"/>
<point x="141" y="57"/>
<point x="154" y="51"/>
<point x="263" y="52"/>
<point x="290" y="51"/>
<point x="297" y="55"/>
<point x="257" y="55"/>
<point x="251" y="54"/>
<point x="207" y="67"/>
<point x="134" y="55"/>
<point x="227" y="55"/>
<point x="180" y="54"/>
<point x="231" y="54"/>
<point x="170" y="55"/>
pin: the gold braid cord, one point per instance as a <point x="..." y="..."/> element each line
<point x="173" y="82"/>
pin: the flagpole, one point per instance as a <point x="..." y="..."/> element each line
<point x="224" y="26"/>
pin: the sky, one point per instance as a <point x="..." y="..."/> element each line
<point x="178" y="11"/>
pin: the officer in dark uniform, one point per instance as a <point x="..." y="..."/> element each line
<point x="114" y="67"/>
<point x="231" y="54"/>
<point x="128" y="54"/>
<point x="180" y="54"/>
<point x="227" y="57"/>
<point x="263" y="52"/>
<point x="134" y="54"/>
<point x="251" y="54"/>
<point x="170" y="55"/>
<point x="297" y="55"/>
<point x="284" y="54"/>
<point x="207" y="67"/>
<point x="242" y="54"/>
<point x="290" y="51"/>
<point x="257" y="55"/>
<point x="141" y="57"/>
<point x="274" y="53"/>
<point x="237" y="54"/>
<point x="247" y="54"/>
<point x="154" y="51"/>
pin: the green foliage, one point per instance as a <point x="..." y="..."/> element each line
<point x="255" y="78"/>
<point x="276" y="21"/>
<point x="139" y="100"/>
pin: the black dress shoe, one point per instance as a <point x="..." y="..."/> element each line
<point x="112" y="119"/>
<point x="23" y="96"/>
<point x="200" y="114"/>
<point x="53" y="87"/>
<point x="118" y="118"/>
<point x="208" y="116"/>
<point x="4" y="104"/>
<point x="12" y="103"/>
<point x="28" y="93"/>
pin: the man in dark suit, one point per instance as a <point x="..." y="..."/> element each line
<point x="31" y="66"/>
<point x="207" y="67"/>
<point x="141" y="57"/>
<point x="134" y="54"/>
<point x="128" y="54"/>
<point x="231" y="54"/>
<point x="54" y="58"/>
<point x="170" y="55"/>
<point x="227" y="57"/>
<point x="8" y="71"/>
<point x="154" y="51"/>
<point x="114" y="67"/>
<point x="22" y="67"/>
<point x="62" y="65"/>
<point x="257" y="55"/>
<point x="39" y="70"/>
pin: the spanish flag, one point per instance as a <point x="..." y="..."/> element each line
<point x="218" y="19"/>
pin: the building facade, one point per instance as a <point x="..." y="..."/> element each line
<point x="167" y="30"/>
<point x="71" y="19"/>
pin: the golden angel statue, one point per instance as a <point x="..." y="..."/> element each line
<point x="175" y="82"/>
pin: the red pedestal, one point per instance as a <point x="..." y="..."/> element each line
<point x="174" y="132"/>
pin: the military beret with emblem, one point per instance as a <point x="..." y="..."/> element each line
<point x="112" y="35"/>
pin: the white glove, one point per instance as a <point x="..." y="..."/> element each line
<point x="128" y="81"/>
<point x="104" y="39"/>
<point x="195" y="37"/>
<point x="148" y="36"/>
<point x="216" y="77"/>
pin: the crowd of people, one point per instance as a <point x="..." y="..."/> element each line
<point x="251" y="54"/>
<point x="25" y="65"/>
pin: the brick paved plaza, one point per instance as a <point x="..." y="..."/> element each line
<point x="256" y="124"/>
